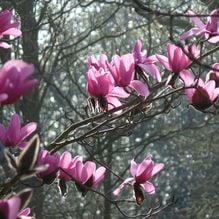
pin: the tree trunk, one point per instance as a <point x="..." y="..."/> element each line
<point x="29" y="106"/>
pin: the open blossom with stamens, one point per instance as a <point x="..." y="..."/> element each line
<point x="7" y="28"/>
<point x="201" y="94"/>
<point x="177" y="60"/>
<point x="122" y="69"/>
<point x="100" y="85"/>
<point x="146" y="63"/>
<point x="15" y="80"/>
<point x="141" y="174"/>
<point x="15" y="135"/>
<point x="210" y="30"/>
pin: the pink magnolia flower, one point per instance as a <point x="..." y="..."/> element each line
<point x="100" y="85"/>
<point x="210" y="30"/>
<point x="52" y="163"/>
<point x="7" y="28"/>
<point x="15" y="135"/>
<point x="86" y="174"/>
<point x="9" y="208"/>
<point x="122" y="69"/>
<point x="214" y="74"/>
<point x="176" y="59"/>
<point x="15" y="80"/>
<point x="201" y="94"/>
<point x="141" y="173"/>
<point x="146" y="63"/>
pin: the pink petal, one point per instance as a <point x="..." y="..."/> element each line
<point x="119" y="92"/>
<point x="24" y="212"/>
<point x="149" y="188"/>
<point x="210" y="88"/>
<point x="196" y="19"/>
<point x="87" y="171"/>
<point x="137" y="51"/>
<point x="13" y="131"/>
<point x="3" y="97"/>
<point x="28" y="129"/>
<point x="12" y="31"/>
<point x="113" y="102"/>
<point x="157" y="168"/>
<point x="5" y="45"/>
<point x="144" y="171"/>
<point x="65" y="160"/>
<point x="187" y="77"/>
<point x="192" y="32"/>
<point x="213" y="39"/>
<point x="14" y="207"/>
<point x="99" y="175"/>
<point x="117" y="191"/>
<point x="152" y="70"/>
<point x="133" y="168"/>
<point x="126" y="70"/>
<point x="163" y="60"/>
<point x="216" y="94"/>
<point x="140" y="88"/>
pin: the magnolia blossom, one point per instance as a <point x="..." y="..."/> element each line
<point x="122" y="69"/>
<point x="52" y="163"/>
<point x="177" y="60"/>
<point x="87" y="176"/>
<point x="210" y="30"/>
<point x="146" y="63"/>
<point x="214" y="74"/>
<point x="7" y="28"/>
<point x="141" y="174"/>
<point x="15" y="135"/>
<point x="200" y="94"/>
<point x="15" y="80"/>
<point x="100" y="85"/>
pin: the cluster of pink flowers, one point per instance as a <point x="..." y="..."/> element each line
<point x="108" y="82"/>
<point x="66" y="168"/>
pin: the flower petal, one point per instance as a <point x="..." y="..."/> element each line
<point x="117" y="191"/>
<point x="149" y="188"/>
<point x="140" y="88"/>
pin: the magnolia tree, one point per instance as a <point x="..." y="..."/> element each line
<point x="119" y="88"/>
